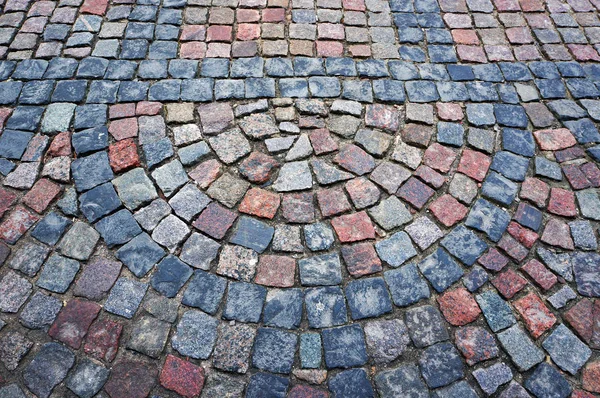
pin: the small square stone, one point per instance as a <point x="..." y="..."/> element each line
<point x="170" y="232"/>
<point x="344" y="347"/>
<point x="252" y="234"/>
<point x="324" y="269"/>
<point x="149" y="336"/>
<point x="368" y="298"/>
<point x="274" y="350"/>
<point x="244" y="302"/>
<point x="406" y="285"/>
<point x="170" y="276"/>
<point x="361" y="259"/>
<point x="195" y="335"/>
<point x="232" y="351"/>
<point x="125" y="297"/>
<point x="441" y="365"/>
<point x="140" y="254"/>
<point x="15" y="291"/>
<point x="58" y="273"/>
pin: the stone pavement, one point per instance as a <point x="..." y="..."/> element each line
<point x="273" y="198"/>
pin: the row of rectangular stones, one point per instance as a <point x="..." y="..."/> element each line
<point x="257" y="67"/>
<point x="170" y="18"/>
<point x="37" y="92"/>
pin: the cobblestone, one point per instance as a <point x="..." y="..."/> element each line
<point x="431" y="155"/>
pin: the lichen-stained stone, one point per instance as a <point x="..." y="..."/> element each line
<point x="368" y="298"/>
<point x="406" y="285"/>
<point x="396" y="250"/>
<point x="386" y="339"/>
<point x="140" y="254"/>
<point x="546" y="380"/>
<point x="321" y="270"/>
<point x="441" y="365"/>
<point x="344" y="346"/>
<point x="403" y="380"/>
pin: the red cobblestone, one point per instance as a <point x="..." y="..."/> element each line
<point x="215" y="220"/>
<point x="361" y="259"/>
<point x="554" y="139"/>
<point x="298" y="208"/>
<point x="430" y="176"/>
<point x="562" y="202"/>
<point x="439" y="157"/>
<point x="206" y="173"/>
<point x="448" y="210"/>
<point x="415" y="192"/>
<point x="558" y="233"/>
<point x="60" y="145"/>
<point x="123" y="128"/>
<point x="524" y="236"/>
<point x="535" y="190"/>
<point x="322" y="142"/>
<point x="332" y="201"/>
<point x="73" y="322"/>
<point x="123" y="155"/>
<point x="459" y="307"/>
<point x="540" y="274"/>
<point x="474" y="164"/>
<point x="591" y="377"/>
<point x="535" y="314"/>
<point x="353" y="227"/>
<point x="276" y="271"/>
<point x="131" y="379"/>
<point x="183" y="377"/>
<point x="16" y="224"/>
<point x="493" y="260"/>
<point x="258" y="167"/>
<point x="41" y="195"/>
<point x="260" y="203"/>
<point x="119" y="111"/>
<point x="102" y="340"/>
<point x="509" y="283"/>
<point x="7" y="199"/>
<point x="513" y="248"/>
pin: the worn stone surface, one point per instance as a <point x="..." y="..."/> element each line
<point x="419" y="177"/>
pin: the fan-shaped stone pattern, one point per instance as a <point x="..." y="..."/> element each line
<point x="299" y="199"/>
